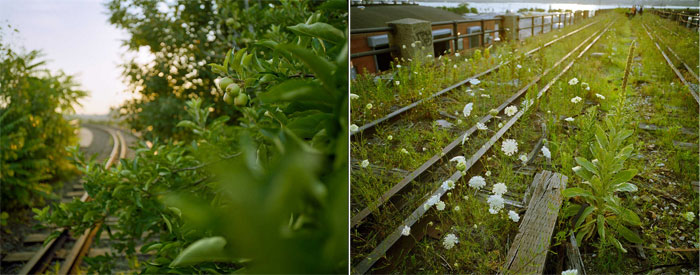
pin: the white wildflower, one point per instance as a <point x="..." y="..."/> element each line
<point x="413" y="45"/>
<point x="271" y="5"/>
<point x="354" y="128"/>
<point x="576" y="100"/>
<point x="513" y="216"/>
<point x="573" y="81"/>
<point x="450" y="241"/>
<point x="364" y="163"/>
<point x="440" y="205"/>
<point x="467" y="110"/>
<point x="474" y="81"/>
<point x="354" y="96"/>
<point x="403" y="46"/>
<point x="585" y="86"/>
<point x="457" y="54"/>
<point x="368" y="106"/>
<point x="690" y="216"/>
<point x="429" y="56"/>
<point x="511" y="110"/>
<point x="570" y="272"/>
<point x="569" y="119"/>
<point x="500" y="125"/>
<point x="481" y="126"/>
<point x="390" y="137"/>
<point x="499" y="188"/>
<point x="488" y="173"/>
<point x="457" y="208"/>
<point x="485" y="96"/>
<point x="406" y="230"/>
<point x="477" y="182"/>
<point x="518" y="66"/>
<point x="546" y="152"/>
<point x="509" y="147"/>
<point x="397" y="82"/>
<point x="399" y="65"/>
<point x="496" y="204"/>
<point x="599" y="96"/>
<point x="431" y="201"/>
<point x="576" y="168"/>
<point x="523" y="158"/>
<point x="403" y="150"/>
<point x="464" y="138"/>
<point x="454" y="66"/>
<point x="448" y="185"/>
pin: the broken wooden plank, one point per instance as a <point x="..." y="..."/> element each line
<point x="573" y="255"/>
<point x="528" y="252"/>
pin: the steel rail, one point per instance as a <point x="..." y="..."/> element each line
<point x="459" y="84"/>
<point x="384" y="246"/>
<point x="687" y="68"/>
<point x="673" y="67"/>
<point x="82" y="245"/>
<point x="41" y="260"/>
<point x="360" y="216"/>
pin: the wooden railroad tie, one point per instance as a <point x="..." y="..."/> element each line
<point x="528" y="252"/>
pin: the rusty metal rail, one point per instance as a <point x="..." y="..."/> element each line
<point x="458" y="84"/>
<point x="687" y="68"/>
<point x="365" y="265"/>
<point x="692" y="91"/>
<point x="41" y="260"/>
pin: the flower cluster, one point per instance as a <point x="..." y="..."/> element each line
<point x="467" y="109"/>
<point x="477" y="182"/>
<point x="450" y="241"/>
<point x="406" y="230"/>
<point x="576" y="100"/>
<point x="461" y="163"/>
<point x="448" y="185"/>
<point x="546" y="152"/>
<point x="496" y="203"/>
<point x="509" y="147"/>
<point x="573" y="81"/>
<point x="511" y="110"/>
<point x="513" y="216"/>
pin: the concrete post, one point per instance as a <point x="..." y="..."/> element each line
<point x="510" y="26"/>
<point x="413" y="37"/>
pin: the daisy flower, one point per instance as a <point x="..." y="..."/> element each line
<point x="440" y="205"/>
<point x="513" y="216"/>
<point x="477" y="182"/>
<point x="509" y="147"/>
<point x="450" y="241"/>
<point x="511" y="110"/>
<point x="406" y="230"/>
<point x="573" y="81"/>
<point x="467" y="109"/>
<point x="500" y="188"/>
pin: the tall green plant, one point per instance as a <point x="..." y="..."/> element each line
<point x="603" y="178"/>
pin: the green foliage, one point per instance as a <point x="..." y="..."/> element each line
<point x="182" y="37"/>
<point x="265" y="191"/>
<point x="604" y="177"/>
<point x="461" y="9"/>
<point x="33" y="131"/>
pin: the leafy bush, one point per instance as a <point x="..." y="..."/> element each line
<point x="603" y="178"/>
<point x="268" y="194"/>
<point x="33" y="131"/>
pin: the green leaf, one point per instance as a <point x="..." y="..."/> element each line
<point x="577" y="191"/>
<point x="217" y="69"/>
<point x="319" y="30"/>
<point x="296" y="90"/>
<point x="204" y="250"/>
<point x="307" y="126"/>
<point x="186" y="124"/>
<point x="625" y="187"/>
<point x="322" y="68"/>
<point x="616" y="243"/>
<point x="584" y="215"/>
<point x="623" y="176"/>
<point x="626" y="233"/>
<point x="601" y="138"/>
<point x="600" y="219"/>
<point x="587" y="165"/>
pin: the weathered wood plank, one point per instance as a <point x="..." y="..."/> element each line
<point x="528" y="252"/>
<point x="574" y="256"/>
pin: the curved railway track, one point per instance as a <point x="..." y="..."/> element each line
<point x="66" y="250"/>
<point x="381" y="250"/>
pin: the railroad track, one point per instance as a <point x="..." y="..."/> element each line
<point x="464" y="83"/>
<point x="693" y="75"/>
<point x="451" y="147"/>
<point x="66" y="250"/>
<point x="692" y="88"/>
<point x="420" y="211"/>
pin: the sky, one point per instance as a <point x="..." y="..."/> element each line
<point x="76" y="37"/>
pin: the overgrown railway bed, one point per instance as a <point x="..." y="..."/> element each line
<point x="64" y="255"/>
<point x="403" y="227"/>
